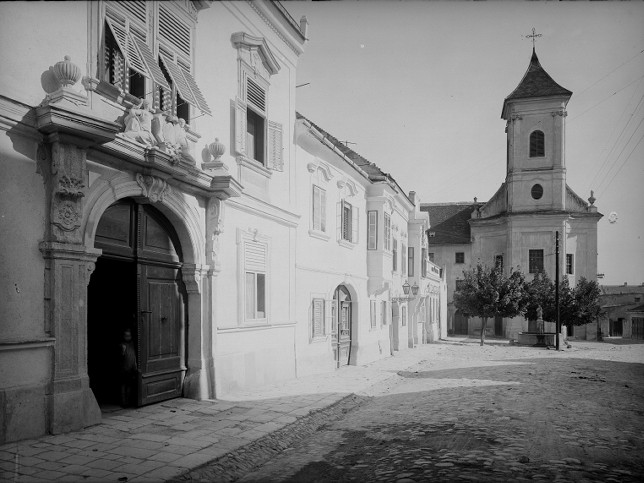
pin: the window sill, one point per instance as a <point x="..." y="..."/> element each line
<point x="319" y="234"/>
<point x="254" y="165"/>
<point x="346" y="243"/>
<point x="318" y="339"/>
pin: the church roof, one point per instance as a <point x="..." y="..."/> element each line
<point x="449" y="222"/>
<point x="536" y="82"/>
<point x="374" y="172"/>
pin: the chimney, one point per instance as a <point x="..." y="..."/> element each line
<point x="625" y="284"/>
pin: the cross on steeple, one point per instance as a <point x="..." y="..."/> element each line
<point x="533" y="37"/>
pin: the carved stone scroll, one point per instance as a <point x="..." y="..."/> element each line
<point x="152" y="187"/>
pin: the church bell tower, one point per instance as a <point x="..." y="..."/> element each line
<point x="535" y="113"/>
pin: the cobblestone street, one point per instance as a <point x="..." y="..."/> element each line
<point x="502" y="413"/>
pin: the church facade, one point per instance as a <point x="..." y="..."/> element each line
<point x="155" y="177"/>
<point x="517" y="227"/>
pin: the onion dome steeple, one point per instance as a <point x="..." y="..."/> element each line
<point x="536" y="82"/>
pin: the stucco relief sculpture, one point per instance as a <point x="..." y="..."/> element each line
<point x="214" y="227"/>
<point x="158" y="129"/>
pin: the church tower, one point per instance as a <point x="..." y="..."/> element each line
<point x="535" y="113"/>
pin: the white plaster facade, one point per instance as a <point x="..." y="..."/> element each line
<point x="217" y="242"/>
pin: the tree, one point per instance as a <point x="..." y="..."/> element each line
<point x="577" y="306"/>
<point x="487" y="292"/>
<point x="586" y="302"/>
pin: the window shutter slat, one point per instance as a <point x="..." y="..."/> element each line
<point x="178" y="80"/>
<point x="354" y="224"/>
<point x="174" y="31"/>
<point x="196" y="92"/>
<point x="151" y="64"/>
<point x="255" y="95"/>
<point x="240" y="126"/>
<point x="136" y="7"/>
<point x="255" y="256"/>
<point x="126" y="45"/>
<point x="275" y="146"/>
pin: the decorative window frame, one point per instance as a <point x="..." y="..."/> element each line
<point x="387" y="245"/>
<point x="318" y="232"/>
<point x="244" y="238"/>
<point x="373" y="314"/>
<point x="256" y="64"/>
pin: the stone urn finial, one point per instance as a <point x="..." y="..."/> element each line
<point x="67" y="72"/>
<point x="592" y="198"/>
<point x="217" y="149"/>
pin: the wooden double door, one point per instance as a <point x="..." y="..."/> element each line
<point x="341" y="326"/>
<point x="137" y="286"/>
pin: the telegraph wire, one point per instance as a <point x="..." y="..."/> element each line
<point x="623" y="164"/>
<point x="602" y="78"/>
<point x="606" y="98"/>
<point x="605" y="163"/>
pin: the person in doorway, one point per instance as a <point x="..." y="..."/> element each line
<point x="128" y="367"/>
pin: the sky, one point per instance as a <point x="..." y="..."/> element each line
<point x="419" y="87"/>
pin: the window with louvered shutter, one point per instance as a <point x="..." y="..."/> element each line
<point x="123" y="64"/>
<point x="346" y="221"/>
<point x="372" y="313"/>
<point x="255" y="95"/>
<point x="387" y="232"/>
<point x="319" y="209"/>
<point x="403" y="259"/>
<point x="410" y="261"/>
<point x="318" y="319"/>
<point x="394" y="253"/>
<point x="372" y="230"/>
<point x="255" y="255"/>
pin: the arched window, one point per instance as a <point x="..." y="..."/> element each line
<point x="537" y="144"/>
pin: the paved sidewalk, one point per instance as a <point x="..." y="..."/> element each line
<point x="163" y="441"/>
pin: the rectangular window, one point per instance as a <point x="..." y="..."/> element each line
<point x="430" y="255"/>
<point x="387" y="232"/>
<point x="459" y="284"/>
<point x="403" y="259"/>
<point x="254" y="276"/>
<point x="346" y="221"/>
<point x="372" y="230"/>
<point x="383" y="313"/>
<point x="535" y="261"/>
<point x="254" y="136"/>
<point x="498" y="261"/>
<point x="395" y="255"/>
<point x="319" y="209"/>
<point x="410" y="261"/>
<point x="404" y="315"/>
<point x="255" y="295"/>
<point x="317" y="318"/>
<point x="459" y="257"/>
<point x="423" y="262"/>
<point x="570" y="263"/>
<point x="373" y="313"/>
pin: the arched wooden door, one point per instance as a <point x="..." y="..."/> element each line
<point x="141" y="253"/>
<point x="341" y="326"/>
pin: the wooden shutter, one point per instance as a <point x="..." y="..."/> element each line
<point x="322" y="210"/>
<point x="354" y="224"/>
<point x="316" y="208"/>
<point x="276" y="161"/>
<point x="151" y="63"/>
<point x="196" y="92"/>
<point x="255" y="94"/>
<point x="240" y="126"/>
<point x="318" y="319"/>
<point x="338" y="223"/>
<point x="174" y="31"/>
<point x="174" y="71"/>
<point x="126" y="45"/>
<point x="372" y="230"/>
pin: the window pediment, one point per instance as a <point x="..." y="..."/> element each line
<point x="255" y="52"/>
<point x="320" y="168"/>
<point x="348" y="188"/>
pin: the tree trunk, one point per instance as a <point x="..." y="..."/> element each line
<point x="483" y="327"/>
